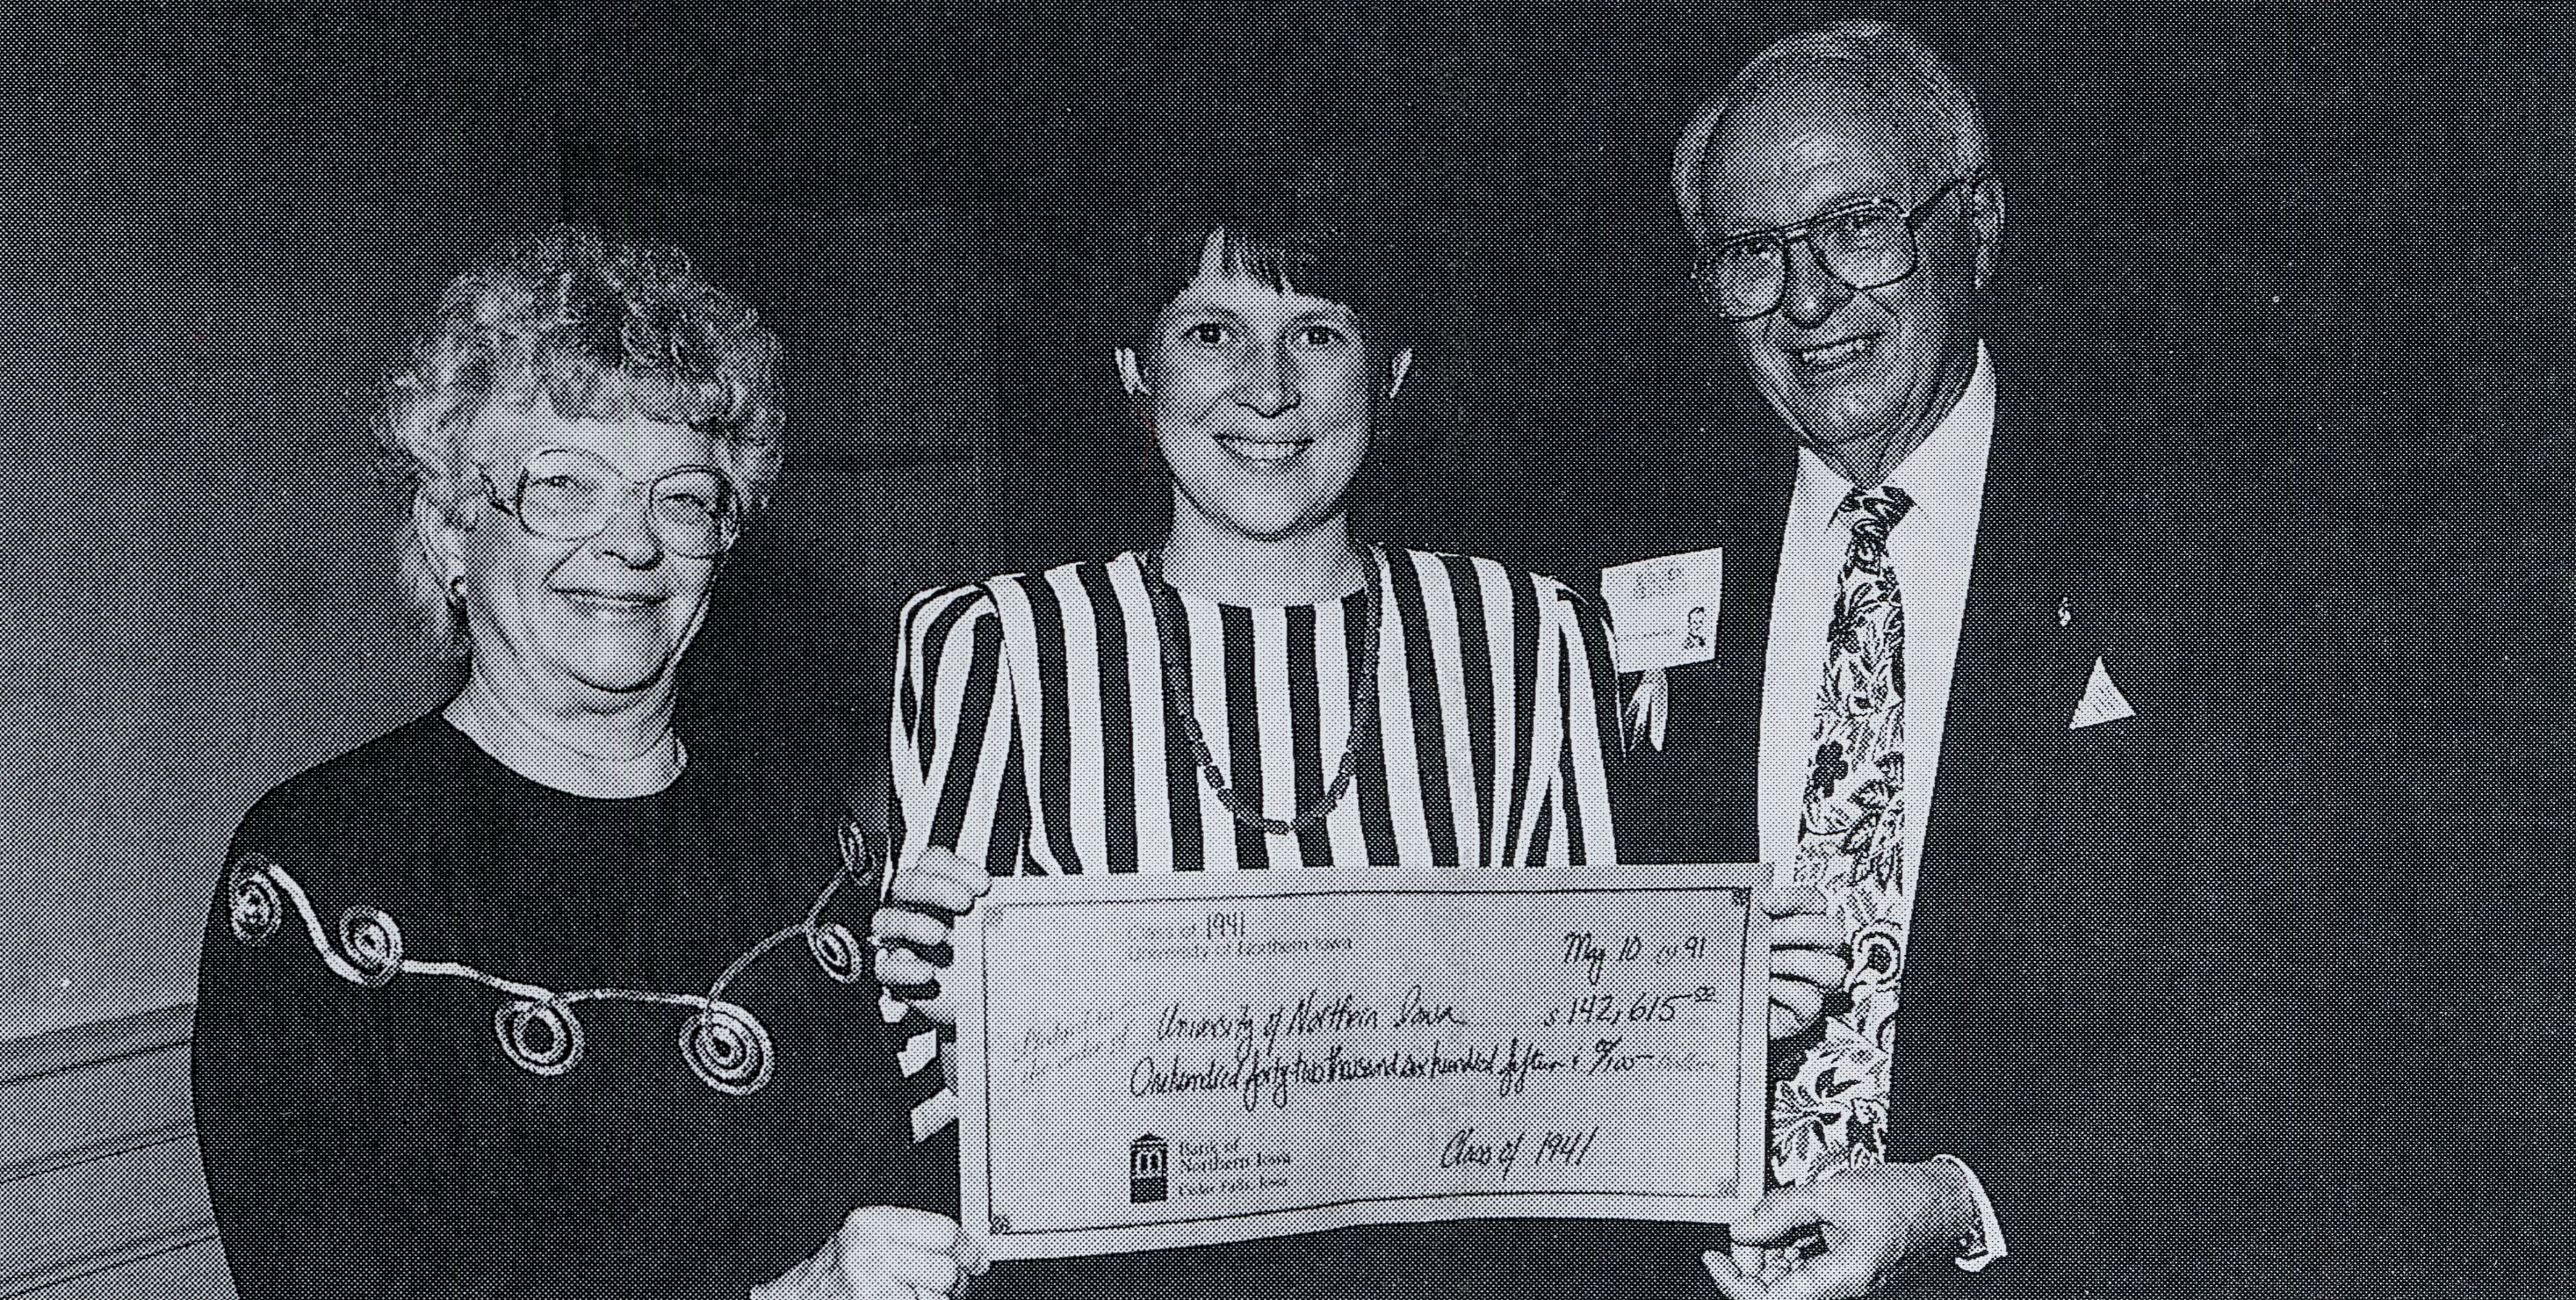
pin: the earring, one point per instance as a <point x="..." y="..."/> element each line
<point x="1131" y="376"/>
<point x="456" y="590"/>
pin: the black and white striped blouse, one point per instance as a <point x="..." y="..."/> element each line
<point x="1031" y="730"/>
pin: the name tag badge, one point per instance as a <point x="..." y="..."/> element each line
<point x="1663" y="612"/>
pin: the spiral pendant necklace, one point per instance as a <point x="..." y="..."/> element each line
<point x="1171" y="640"/>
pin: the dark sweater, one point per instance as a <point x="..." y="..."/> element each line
<point x="380" y="1142"/>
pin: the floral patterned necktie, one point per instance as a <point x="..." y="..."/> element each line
<point x="1832" y="1112"/>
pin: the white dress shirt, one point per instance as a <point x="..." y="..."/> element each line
<point x="1931" y="552"/>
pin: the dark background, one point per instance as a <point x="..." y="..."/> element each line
<point x="2347" y="232"/>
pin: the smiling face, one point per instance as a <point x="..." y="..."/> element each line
<point x="1863" y="376"/>
<point x="593" y="621"/>
<point x="1261" y="399"/>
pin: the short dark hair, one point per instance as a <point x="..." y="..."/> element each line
<point x="1351" y="239"/>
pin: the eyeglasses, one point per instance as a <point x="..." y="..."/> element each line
<point x="1868" y="245"/>
<point x="570" y="495"/>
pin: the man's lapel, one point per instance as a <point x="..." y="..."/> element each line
<point x="1693" y="799"/>
<point x="1728" y="707"/>
<point x="1752" y="572"/>
<point x="2028" y="640"/>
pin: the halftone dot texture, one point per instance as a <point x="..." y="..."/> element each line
<point x="2301" y="259"/>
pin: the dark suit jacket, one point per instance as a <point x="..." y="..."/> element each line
<point x="2091" y="1004"/>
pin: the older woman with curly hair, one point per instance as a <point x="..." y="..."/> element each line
<point x="525" y="998"/>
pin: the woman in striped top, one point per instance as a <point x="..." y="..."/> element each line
<point x="1045" y="722"/>
<point x="1260" y="692"/>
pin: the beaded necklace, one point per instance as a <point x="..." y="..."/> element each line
<point x="1171" y="626"/>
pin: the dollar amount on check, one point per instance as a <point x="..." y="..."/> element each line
<point x="1164" y="1060"/>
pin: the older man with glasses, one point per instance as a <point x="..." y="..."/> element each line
<point x="1970" y="675"/>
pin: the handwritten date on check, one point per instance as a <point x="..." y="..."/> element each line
<point x="1149" y="1061"/>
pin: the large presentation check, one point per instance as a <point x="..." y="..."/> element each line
<point x="1166" y="1060"/>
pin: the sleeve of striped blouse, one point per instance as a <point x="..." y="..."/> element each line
<point x="955" y="743"/>
<point x="954" y="763"/>
<point x="1581" y="786"/>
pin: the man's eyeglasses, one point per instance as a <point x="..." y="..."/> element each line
<point x="569" y="495"/>
<point x="1868" y="245"/>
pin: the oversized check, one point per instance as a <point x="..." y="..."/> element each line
<point x="1166" y="1060"/>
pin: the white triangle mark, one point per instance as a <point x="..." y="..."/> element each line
<point x="2102" y="701"/>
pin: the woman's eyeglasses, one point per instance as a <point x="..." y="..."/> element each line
<point x="570" y="495"/>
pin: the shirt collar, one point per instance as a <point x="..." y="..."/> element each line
<point x="1947" y="468"/>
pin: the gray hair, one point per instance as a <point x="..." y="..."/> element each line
<point x="1893" y="61"/>
<point x="595" y="330"/>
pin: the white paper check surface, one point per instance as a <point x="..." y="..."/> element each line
<point x="1160" y="1060"/>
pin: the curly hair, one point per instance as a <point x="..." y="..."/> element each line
<point x="596" y="330"/>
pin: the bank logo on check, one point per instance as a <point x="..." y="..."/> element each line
<point x="1148" y="1170"/>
